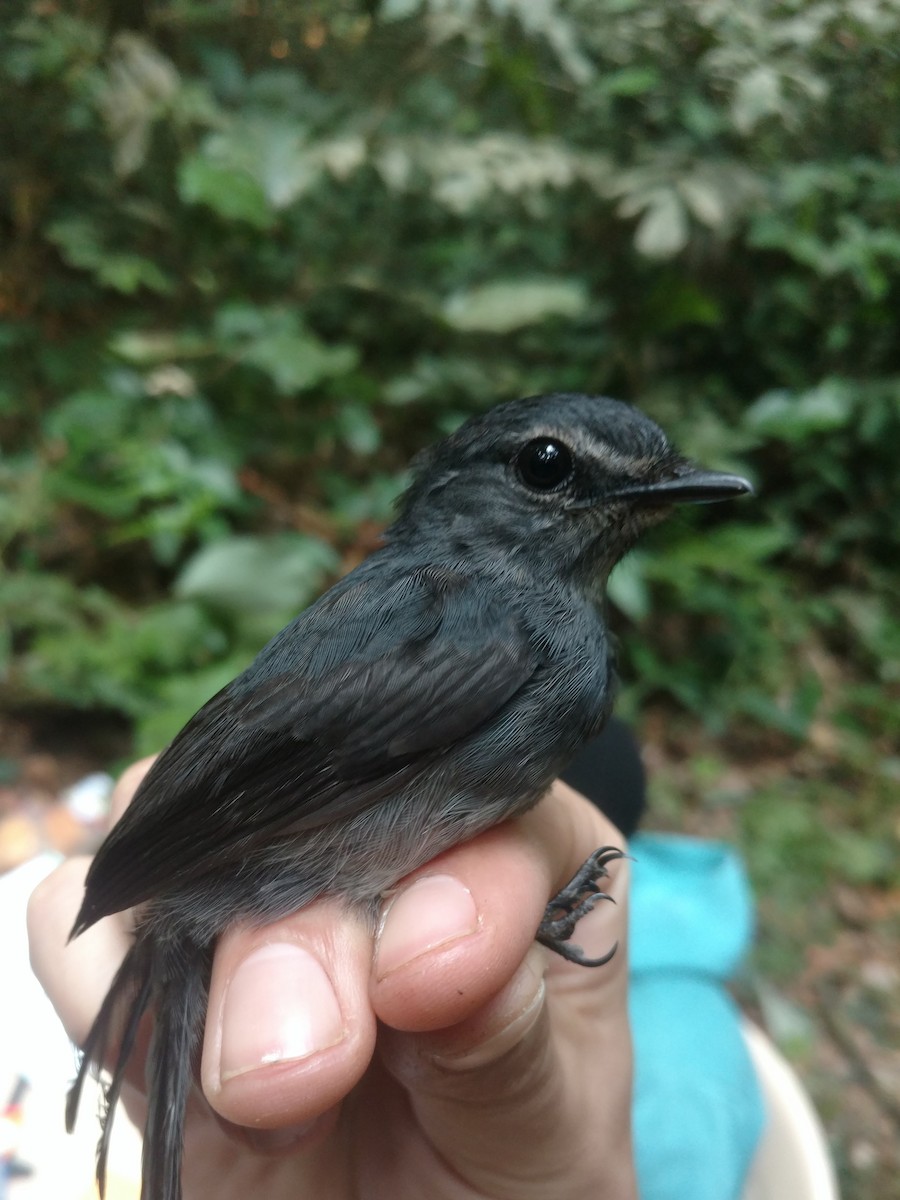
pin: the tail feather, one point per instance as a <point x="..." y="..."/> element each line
<point x="174" y="981"/>
<point x="111" y="1095"/>
<point x="129" y="993"/>
<point x="180" y="1013"/>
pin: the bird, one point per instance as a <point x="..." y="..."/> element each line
<point x="436" y="690"/>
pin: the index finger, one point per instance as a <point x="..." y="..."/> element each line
<point x="76" y="975"/>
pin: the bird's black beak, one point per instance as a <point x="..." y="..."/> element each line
<point x="694" y="486"/>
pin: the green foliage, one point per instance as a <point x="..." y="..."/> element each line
<point x="250" y="263"/>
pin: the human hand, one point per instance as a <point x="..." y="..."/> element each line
<point x="445" y="1056"/>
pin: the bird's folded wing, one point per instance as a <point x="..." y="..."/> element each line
<point x="361" y="693"/>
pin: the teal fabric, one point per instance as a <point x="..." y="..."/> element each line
<point x="698" y="1111"/>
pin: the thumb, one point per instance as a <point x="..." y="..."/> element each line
<point x="529" y="1098"/>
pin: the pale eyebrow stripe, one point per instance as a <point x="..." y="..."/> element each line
<point x="603" y="453"/>
<point x="598" y="451"/>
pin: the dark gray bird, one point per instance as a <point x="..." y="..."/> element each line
<point x="436" y="690"/>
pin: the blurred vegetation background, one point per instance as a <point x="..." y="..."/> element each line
<point x="255" y="254"/>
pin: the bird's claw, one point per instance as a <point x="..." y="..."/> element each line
<point x="575" y="901"/>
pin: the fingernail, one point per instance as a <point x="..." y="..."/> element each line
<point x="521" y="1008"/>
<point x="280" y="1004"/>
<point x="431" y="912"/>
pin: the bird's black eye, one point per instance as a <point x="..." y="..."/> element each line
<point x="544" y="464"/>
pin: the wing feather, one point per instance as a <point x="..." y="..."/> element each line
<point x="362" y="691"/>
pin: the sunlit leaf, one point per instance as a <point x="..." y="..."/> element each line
<point x="663" y="229"/>
<point x="794" y="417"/>
<point x="257" y="575"/>
<point x="502" y="306"/>
<point x="627" y="588"/>
<point x="758" y="94"/>
<point x="231" y="194"/>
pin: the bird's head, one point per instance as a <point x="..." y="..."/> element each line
<point x="564" y="481"/>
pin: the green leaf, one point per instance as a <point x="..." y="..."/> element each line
<point x="705" y="199"/>
<point x="358" y="429"/>
<point x="627" y="588"/>
<point x="758" y="94"/>
<point x="276" y="341"/>
<point x="82" y="245"/>
<point x="128" y="272"/>
<point x="663" y="229"/>
<point x="267" y="574"/>
<point x="232" y="194"/>
<point x="631" y="81"/>
<point x="731" y="550"/>
<point x="179" y="698"/>
<point x="275" y="154"/>
<point x="296" y="361"/>
<point x="151" y="347"/>
<point x="865" y="859"/>
<point x="795" y="417"/>
<point x="399" y="10"/>
<point x="505" y="305"/>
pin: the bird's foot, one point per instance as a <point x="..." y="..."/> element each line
<point x="575" y="901"/>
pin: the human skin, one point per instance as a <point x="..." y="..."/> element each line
<point x="444" y="1054"/>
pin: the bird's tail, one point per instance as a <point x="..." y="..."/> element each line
<point x="180" y="1015"/>
<point x="175" y="982"/>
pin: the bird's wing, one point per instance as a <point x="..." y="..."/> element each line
<point x="363" y="690"/>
